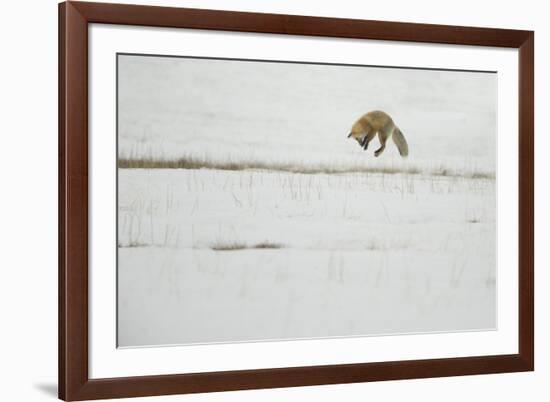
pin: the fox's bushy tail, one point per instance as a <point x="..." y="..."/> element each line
<point x="401" y="142"/>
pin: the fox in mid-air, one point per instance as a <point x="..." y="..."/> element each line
<point x="378" y="122"/>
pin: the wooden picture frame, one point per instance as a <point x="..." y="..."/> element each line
<point x="74" y="381"/>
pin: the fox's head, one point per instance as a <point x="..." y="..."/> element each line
<point x="357" y="132"/>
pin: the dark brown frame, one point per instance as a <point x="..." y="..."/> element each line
<point x="74" y="382"/>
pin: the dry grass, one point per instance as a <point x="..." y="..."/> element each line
<point x="446" y="172"/>
<point x="243" y="246"/>
<point x="268" y="245"/>
<point x="482" y="175"/>
<point x="228" y="246"/>
<point x="132" y="244"/>
<point x="198" y="163"/>
<point x="189" y="162"/>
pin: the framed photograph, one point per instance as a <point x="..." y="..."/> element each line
<point x="259" y="200"/>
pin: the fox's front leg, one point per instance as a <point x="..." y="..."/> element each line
<point x="366" y="139"/>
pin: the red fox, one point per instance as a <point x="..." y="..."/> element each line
<point x="378" y="122"/>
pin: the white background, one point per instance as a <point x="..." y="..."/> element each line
<point x="28" y="162"/>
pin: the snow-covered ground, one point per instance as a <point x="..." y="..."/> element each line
<point x="210" y="255"/>
<point x="356" y="254"/>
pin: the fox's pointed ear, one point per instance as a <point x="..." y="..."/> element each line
<point x="349" y="135"/>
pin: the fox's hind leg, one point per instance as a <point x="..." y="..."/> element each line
<point x="380" y="150"/>
<point x="382" y="145"/>
<point x="383" y="136"/>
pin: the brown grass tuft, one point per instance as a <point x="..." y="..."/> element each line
<point x="242" y="246"/>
